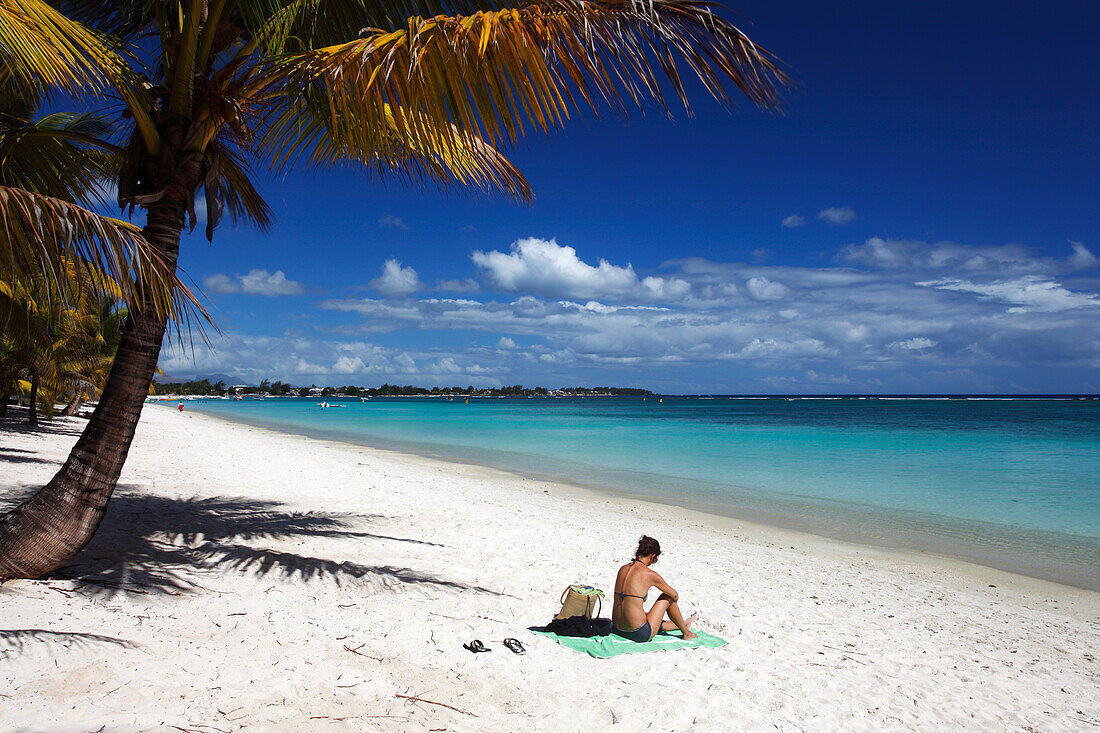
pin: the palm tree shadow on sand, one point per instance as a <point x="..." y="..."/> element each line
<point x="16" y="422"/>
<point x="17" y="455"/>
<point x="156" y="544"/>
<point x="16" y="641"/>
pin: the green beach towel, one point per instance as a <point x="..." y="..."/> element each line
<point x="612" y="645"/>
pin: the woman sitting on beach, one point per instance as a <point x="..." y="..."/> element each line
<point x="632" y="585"/>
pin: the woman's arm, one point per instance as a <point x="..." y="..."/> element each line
<point x="660" y="584"/>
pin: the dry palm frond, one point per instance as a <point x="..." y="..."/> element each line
<point x="228" y="187"/>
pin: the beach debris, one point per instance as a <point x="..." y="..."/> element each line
<point x="433" y="702"/>
<point x="361" y="654"/>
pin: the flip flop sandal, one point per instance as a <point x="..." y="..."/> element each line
<point x="476" y="646"/>
<point x="515" y="646"/>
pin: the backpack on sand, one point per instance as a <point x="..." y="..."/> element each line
<point x="580" y="600"/>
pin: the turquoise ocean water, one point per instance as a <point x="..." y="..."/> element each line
<point x="1013" y="484"/>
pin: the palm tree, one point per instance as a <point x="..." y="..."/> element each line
<point x="370" y="84"/>
<point x="31" y="345"/>
<point x="58" y="348"/>
<point x="100" y="330"/>
<point x="64" y="156"/>
<point x="45" y="167"/>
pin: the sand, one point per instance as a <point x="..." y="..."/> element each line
<point x="246" y="579"/>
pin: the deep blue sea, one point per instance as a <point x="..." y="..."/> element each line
<point x="1009" y="483"/>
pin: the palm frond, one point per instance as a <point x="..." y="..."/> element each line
<point x="61" y="155"/>
<point x="42" y="234"/>
<point x="228" y="187"/>
<point x="498" y="75"/>
<point x="121" y="19"/>
<point x="39" y="45"/>
<point x="308" y="132"/>
<point x="285" y="26"/>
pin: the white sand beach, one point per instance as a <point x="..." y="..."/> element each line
<point x="246" y="579"/>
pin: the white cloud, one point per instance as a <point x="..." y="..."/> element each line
<point x="256" y="282"/>
<point x="468" y="285"/>
<point x="446" y="365"/>
<point x="793" y="221"/>
<point x="1082" y="258"/>
<point x="761" y="288"/>
<point x="221" y="283"/>
<point x="301" y="366"/>
<point x="837" y="215"/>
<point x="543" y="267"/>
<point x="262" y="282"/>
<point x="774" y="347"/>
<point x="389" y="221"/>
<point x="718" y="293"/>
<point x="396" y="280"/>
<point x="904" y="253"/>
<point x="666" y="290"/>
<point x="348" y="365"/>
<point x="878" y="252"/>
<point x="546" y="268"/>
<point x="1030" y="293"/>
<point x="815" y="378"/>
<point x="506" y="343"/>
<point x="918" y="343"/>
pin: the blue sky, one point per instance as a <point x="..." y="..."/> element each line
<point x="924" y="219"/>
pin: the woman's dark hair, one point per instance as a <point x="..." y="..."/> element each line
<point x="647" y="546"/>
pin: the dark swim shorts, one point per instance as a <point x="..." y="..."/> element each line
<point x="640" y="634"/>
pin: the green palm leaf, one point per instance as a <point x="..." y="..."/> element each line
<point x="60" y="155"/>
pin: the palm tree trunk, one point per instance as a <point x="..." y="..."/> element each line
<point x="32" y="415"/>
<point x="4" y="400"/>
<point x="47" y="530"/>
<point x="74" y="404"/>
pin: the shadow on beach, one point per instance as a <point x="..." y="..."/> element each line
<point x="16" y="641"/>
<point x="17" y="455"/>
<point x="160" y="545"/>
<point x="16" y="422"/>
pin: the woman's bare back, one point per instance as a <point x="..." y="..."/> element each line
<point x="632" y="584"/>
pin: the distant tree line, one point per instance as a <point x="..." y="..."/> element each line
<point x="623" y="391"/>
<point x="280" y="389"/>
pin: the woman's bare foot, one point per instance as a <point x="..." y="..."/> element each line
<point x="686" y="631"/>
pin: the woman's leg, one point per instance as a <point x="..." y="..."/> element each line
<point x="656" y="617"/>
